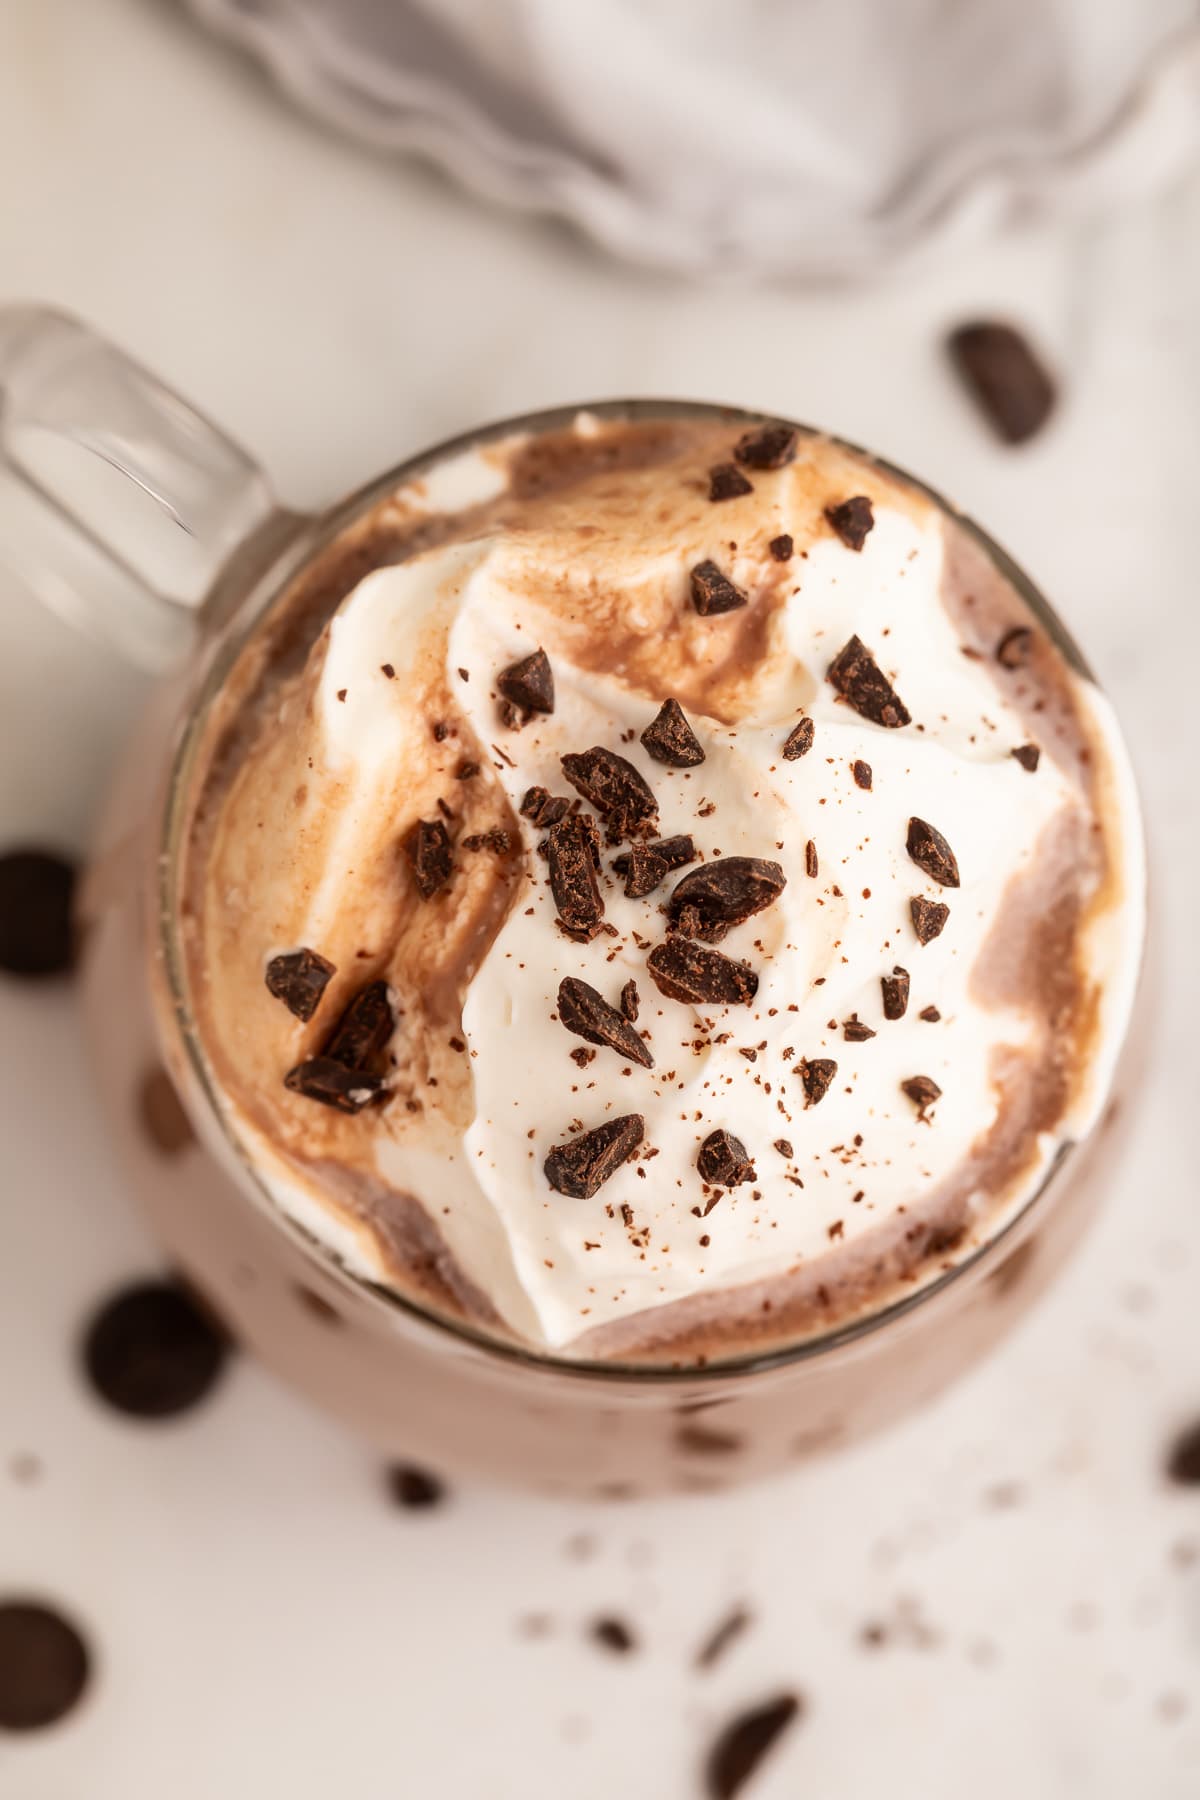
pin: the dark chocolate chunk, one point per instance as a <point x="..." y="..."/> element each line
<point x="573" y="879"/>
<point x="725" y="892"/>
<point x="630" y="1000"/>
<point x="416" y="1489"/>
<point x="861" y="772"/>
<point x="616" y="790"/>
<point x="427" y="847"/>
<point x="1012" y="652"/>
<point x="299" y="978"/>
<point x="36" y="893"/>
<point x="722" y="1636"/>
<point x="812" y="867"/>
<point x="928" y="917"/>
<point x="333" y="1084"/>
<point x="614" y="1635"/>
<point x="895" y="993"/>
<point x="543" y="809"/>
<point x="766" y="447"/>
<point x="930" y="1014"/>
<point x="529" y="683"/>
<point x="496" y="840"/>
<point x="44" y="1665"/>
<point x="151" y="1352"/>
<point x="676" y="852"/>
<point x="922" y="1090"/>
<point x="726" y="482"/>
<point x="930" y="851"/>
<point x="781" y="547"/>
<point x="585" y="1012"/>
<point x="859" y="679"/>
<point x="723" y="1160"/>
<point x="645" y="870"/>
<point x="581" y="1167"/>
<point x="852" y="520"/>
<point x="1008" y="382"/>
<point x="1028" y="755"/>
<point x="363" y="1029"/>
<point x="815" y="1074"/>
<point x="744" y="1742"/>
<point x="1183" y="1458"/>
<point x="670" y="739"/>
<point x="683" y="970"/>
<point x="854" y="1031"/>
<point x="799" y="740"/>
<point x="713" y="592"/>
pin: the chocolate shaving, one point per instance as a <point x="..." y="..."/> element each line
<point x="573" y="879"/>
<point x="586" y="1013"/>
<point x="895" y="993"/>
<point x="744" y="1742"/>
<point x="930" y="851"/>
<point x="1004" y="376"/>
<point x="333" y="1084"/>
<point x="630" y="1001"/>
<point x="581" y="1167"/>
<point x="799" y="740"/>
<point x="928" y="917"/>
<point x="713" y="592"/>
<point x="542" y="808"/>
<point x="815" y="1074"/>
<point x="854" y="1031"/>
<point x="922" y="1090"/>
<point x="670" y="739"/>
<point x="616" y="790"/>
<point x="781" y="547"/>
<point x="726" y="482"/>
<point x="676" y="852"/>
<point x="683" y="970"/>
<point x="645" y="870"/>
<point x="363" y="1029"/>
<point x="427" y="847"/>
<point x="766" y="447"/>
<point x="722" y="1636"/>
<point x="1013" y="650"/>
<point x="852" y="520"/>
<point x="529" y="683"/>
<point x="859" y="679"/>
<point x="812" y="867"/>
<point x="1028" y="755"/>
<point x="725" y="892"/>
<point x="723" y="1161"/>
<point x="861" y="772"/>
<point x="299" y="978"/>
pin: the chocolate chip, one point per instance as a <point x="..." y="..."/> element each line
<point x="573" y="879"/>
<point x="852" y="520"/>
<point x="630" y="1001"/>
<point x="799" y="740"/>
<point x="427" y="847"/>
<point x="161" y="1112"/>
<point x="1004" y="376"/>
<point x="930" y="1014"/>
<point x="44" y="1665"/>
<point x="930" y="851"/>
<point x="859" y="679"/>
<point x="644" y="870"/>
<point x="617" y="791"/>
<point x="861" y="772"/>
<point x="586" y="1013"/>
<point x="581" y="1167"/>
<point x="1013" y="650"/>
<point x="1028" y="755"/>
<point x="723" y="1160"/>
<point x="722" y="1637"/>
<point x="299" y="978"/>
<point x="744" y="1742"/>
<point x="363" y="1029"/>
<point x="1183" y="1458"/>
<point x="529" y="683"/>
<point x="713" y="592"/>
<point x="36" y="893"/>
<point x="726" y="482"/>
<point x="614" y="1635"/>
<point x="683" y="970"/>
<point x="928" y="917"/>
<point x="333" y="1084"/>
<point x="726" y="892"/>
<point x="812" y="867"/>
<point x="781" y="547"/>
<point x="151" y="1352"/>
<point x="815" y="1074"/>
<point x="895" y="993"/>
<point x="543" y="809"/>
<point x="670" y="739"/>
<point x="854" y="1031"/>
<point x="496" y="840"/>
<point x="416" y="1489"/>
<point x="922" y="1090"/>
<point x="766" y="447"/>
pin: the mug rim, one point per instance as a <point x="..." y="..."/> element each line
<point x="314" y="535"/>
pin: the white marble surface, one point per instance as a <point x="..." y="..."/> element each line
<point x="264" y="1621"/>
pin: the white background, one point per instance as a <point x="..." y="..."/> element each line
<point x="265" y="1623"/>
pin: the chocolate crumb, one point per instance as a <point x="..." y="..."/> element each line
<point x="427" y="847"/>
<point x="861" y="772"/>
<point x="1028" y="755"/>
<point x="341" y="693"/>
<point x="440" y="729"/>
<point x="799" y="740"/>
<point x="726" y="482"/>
<point x="726" y="892"/>
<point x="1013" y="650"/>
<point x="713" y="592"/>
<point x="922" y="1090"/>
<point x="895" y="993"/>
<point x="812" y="867"/>
<point x="670" y="739"/>
<point x="529" y="683"/>
<point x="614" y="1634"/>
<point x="586" y="1013"/>
<point x="1004" y="376"/>
<point x="781" y="547"/>
<point x="742" y="1745"/>
<point x="930" y="1014"/>
<point x="723" y="1160"/>
<point x="415" y="1489"/>
<point x="928" y="917"/>
<point x="816" y="1075"/>
<point x="931" y="853"/>
<point x="573" y="879"/>
<point x="466" y="771"/>
<point x="580" y="1167"/>
<point x="723" y="1637"/>
<point x="299" y="978"/>
<point x="852" y="520"/>
<point x="582" y="1056"/>
<point x="388" y="670"/>
<point x="783" y="1145"/>
<point x="616" y="790"/>
<point x="859" y="680"/>
<point x="687" y="971"/>
<point x="854" y="1031"/>
<point x="766" y="447"/>
<point x="630" y="1002"/>
<point x="543" y="809"/>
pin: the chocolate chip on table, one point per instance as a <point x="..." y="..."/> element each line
<point x="588" y="1014"/>
<point x="812" y="867"/>
<point x="363" y="1029"/>
<point x="781" y="547"/>
<point x="542" y="808"/>
<point x="299" y="978"/>
<point x="161" y="1113"/>
<point x="723" y="1160"/>
<point x="1028" y="755"/>
<point x="1183" y="1457"/>
<point x="852" y="520"/>
<point x="645" y="870"/>
<point x="713" y="592"/>
<point x="614" y="1634"/>
<point x="151" y="1352"/>
<point x="675" y="852"/>
<point x="766" y="447"/>
<point x="1004" y="375"/>
<point x="687" y="971"/>
<point x="799" y="740"/>
<point x="529" y="683"/>
<point x="44" y="1665"/>
<point x="931" y="853"/>
<point x="930" y="1014"/>
<point x="725" y="892"/>
<point x="861" y="772"/>
<point x="854" y="1031"/>
<point x="922" y="1090"/>
<point x="37" y="889"/>
<point x="427" y="847"/>
<point x="726" y="482"/>
<point x="333" y="1084"/>
<point x="630" y="1001"/>
<point x="895" y="993"/>
<point x="816" y="1075"/>
<point x="1013" y="650"/>
<point x="859" y="679"/>
<point x="580" y="1167"/>
<point x="928" y="917"/>
<point x="414" y="1488"/>
<point x="742" y="1744"/>
<point x="619" y="793"/>
<point x="573" y="880"/>
<point x="670" y="739"/>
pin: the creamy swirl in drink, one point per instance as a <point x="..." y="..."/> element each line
<point x="657" y="890"/>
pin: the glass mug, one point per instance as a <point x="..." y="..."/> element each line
<point x="82" y="429"/>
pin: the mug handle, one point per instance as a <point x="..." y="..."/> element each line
<point x="119" y="503"/>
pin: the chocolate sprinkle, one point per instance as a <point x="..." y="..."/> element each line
<point x="723" y="1160"/>
<point x="36" y="895"/>
<point x="670" y="739"/>
<point x="1028" y="755"/>
<point x="151" y="1352"/>
<point x="861" y="772"/>
<point x="573" y="879"/>
<point x="333" y="1084"/>
<point x="816" y="1076"/>
<point x="726" y="482"/>
<point x="713" y="592"/>
<point x="529" y="683"/>
<point x="726" y="892"/>
<point x="1004" y="376"/>
<point x="496" y="840"/>
<point x="427" y="847"/>
<point x="299" y="978"/>
<point x="586" y="1013"/>
<point x="766" y="447"/>
<point x="859" y="679"/>
<point x="781" y="547"/>
<point x="854" y="1031"/>
<point x="744" y="1742"/>
<point x="687" y="971"/>
<point x="581" y="1167"/>
<point x="676" y="852"/>
<point x="645" y="870"/>
<point x="1013" y="650"/>
<point x="616" y="790"/>
<point x="44" y="1665"/>
<point x="922" y="1090"/>
<point x="630" y="1001"/>
<point x="895" y="993"/>
<point x="812" y="867"/>
<point x="542" y="808"/>
<point x="930" y="851"/>
<point x="852" y="520"/>
<point x="928" y="917"/>
<point x="799" y="740"/>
